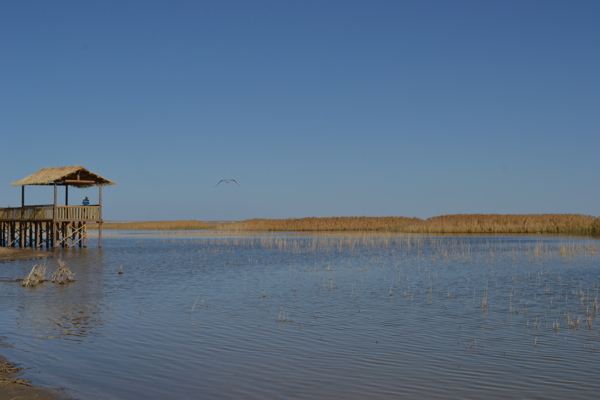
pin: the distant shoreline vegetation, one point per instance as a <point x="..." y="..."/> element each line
<point x="444" y="224"/>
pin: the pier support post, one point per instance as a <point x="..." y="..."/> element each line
<point x="54" y="216"/>
<point x="100" y="216"/>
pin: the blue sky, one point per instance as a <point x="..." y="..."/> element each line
<point x="317" y="108"/>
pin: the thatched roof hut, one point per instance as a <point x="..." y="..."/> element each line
<point x="51" y="224"/>
<point x="75" y="175"/>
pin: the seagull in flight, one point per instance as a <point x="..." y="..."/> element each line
<point x="227" y="181"/>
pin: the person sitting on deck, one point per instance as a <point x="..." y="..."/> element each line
<point x="86" y="201"/>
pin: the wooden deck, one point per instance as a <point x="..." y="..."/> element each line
<point x="46" y="213"/>
<point x="47" y="225"/>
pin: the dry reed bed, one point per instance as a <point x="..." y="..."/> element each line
<point x="444" y="224"/>
<point x="321" y="224"/>
<point x="458" y="223"/>
<point x="154" y="225"/>
<point x="510" y="223"/>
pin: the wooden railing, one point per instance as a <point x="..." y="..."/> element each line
<point x="46" y="212"/>
<point x="27" y="213"/>
<point x="78" y="213"/>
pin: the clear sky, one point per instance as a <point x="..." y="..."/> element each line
<point x="317" y="108"/>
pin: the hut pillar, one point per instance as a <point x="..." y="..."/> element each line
<point x="54" y="216"/>
<point x="100" y="216"/>
<point x="22" y="224"/>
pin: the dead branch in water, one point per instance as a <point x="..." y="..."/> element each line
<point x="36" y="276"/>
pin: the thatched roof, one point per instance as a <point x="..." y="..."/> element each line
<point x="75" y="175"/>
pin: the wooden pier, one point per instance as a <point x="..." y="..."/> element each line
<point x="53" y="225"/>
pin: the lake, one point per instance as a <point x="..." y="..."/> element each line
<point x="291" y="316"/>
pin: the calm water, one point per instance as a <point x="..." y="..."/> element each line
<point x="305" y="317"/>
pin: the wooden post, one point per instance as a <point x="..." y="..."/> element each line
<point x="10" y="233"/>
<point x="73" y="234"/>
<point x="100" y="216"/>
<point x="22" y="233"/>
<point x="13" y="234"/>
<point x="23" y="196"/>
<point x="54" y="214"/>
<point x="85" y="244"/>
<point x="66" y="195"/>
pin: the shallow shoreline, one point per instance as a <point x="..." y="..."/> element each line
<point x="14" y="388"/>
<point x="11" y="253"/>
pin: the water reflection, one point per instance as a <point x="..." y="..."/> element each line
<point x="67" y="321"/>
<point x="67" y="312"/>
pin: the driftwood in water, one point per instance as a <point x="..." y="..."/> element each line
<point x="36" y="276"/>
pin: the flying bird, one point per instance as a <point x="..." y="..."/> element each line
<point x="227" y="181"/>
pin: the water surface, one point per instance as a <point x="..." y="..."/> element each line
<point x="302" y="316"/>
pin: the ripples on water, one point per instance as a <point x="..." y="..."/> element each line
<point x="307" y="317"/>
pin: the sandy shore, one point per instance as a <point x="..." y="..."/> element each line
<point x="12" y="387"/>
<point x="11" y="253"/>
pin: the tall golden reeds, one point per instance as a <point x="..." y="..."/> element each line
<point x="509" y="223"/>
<point x="445" y="224"/>
<point x="155" y="225"/>
<point x="313" y="224"/>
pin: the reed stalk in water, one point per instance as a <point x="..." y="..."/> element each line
<point x="194" y="306"/>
